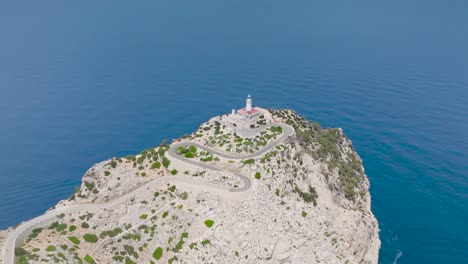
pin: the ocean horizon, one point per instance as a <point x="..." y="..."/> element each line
<point x="82" y="83"/>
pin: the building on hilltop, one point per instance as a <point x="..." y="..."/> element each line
<point x="249" y="111"/>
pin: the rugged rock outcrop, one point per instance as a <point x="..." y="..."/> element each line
<point x="308" y="201"/>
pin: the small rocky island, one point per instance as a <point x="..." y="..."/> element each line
<point x="253" y="186"/>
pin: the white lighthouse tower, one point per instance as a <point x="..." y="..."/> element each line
<point x="248" y="106"/>
<point x="248" y="111"/>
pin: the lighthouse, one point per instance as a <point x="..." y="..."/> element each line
<point x="248" y="104"/>
<point x="248" y="111"/>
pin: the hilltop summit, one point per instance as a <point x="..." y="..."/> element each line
<point x="252" y="186"/>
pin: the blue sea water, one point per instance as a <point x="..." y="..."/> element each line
<point x="86" y="81"/>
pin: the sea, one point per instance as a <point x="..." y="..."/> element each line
<point x="85" y="81"/>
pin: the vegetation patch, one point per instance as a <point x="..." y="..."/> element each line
<point x="308" y="197"/>
<point x="157" y="254"/>
<point x="207" y="158"/>
<point x="166" y="162"/>
<point x="258" y="176"/>
<point x="61" y="227"/>
<point x="205" y="242"/>
<point x="209" y="223"/>
<point x="19" y="251"/>
<point x="89" y="185"/>
<point x="90" y="238"/>
<point x="326" y="145"/>
<point x="51" y="248"/>
<point x="111" y="233"/>
<point x="249" y="161"/>
<point x="184" y="196"/>
<point x="74" y="240"/>
<point x="22" y="255"/>
<point x="276" y="129"/>
<point x="129" y="261"/>
<point x="35" y="233"/>
<point x="89" y="259"/>
<point x="107" y="173"/>
<point x="143" y="216"/>
<point x="156" y="165"/>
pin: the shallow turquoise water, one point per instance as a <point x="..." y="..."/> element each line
<point x="80" y="84"/>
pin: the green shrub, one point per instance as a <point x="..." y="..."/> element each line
<point x="258" y="176"/>
<point x="164" y="215"/>
<point x="143" y="216"/>
<point x="19" y="251"/>
<point x="178" y="246"/>
<point x="89" y="259"/>
<point x="249" y="161"/>
<point x="205" y="242"/>
<point x="107" y="173"/>
<point x="189" y="155"/>
<point x="129" y="261"/>
<point x="157" y="254"/>
<point x="84" y="225"/>
<point x="74" y="240"/>
<point x="181" y="150"/>
<point x="193" y="149"/>
<point x="276" y="129"/>
<point x="130" y="157"/>
<point x="91" y="238"/>
<point x="61" y="227"/>
<point x="184" y="196"/>
<point x="308" y="197"/>
<point x="156" y="165"/>
<point x="89" y="185"/>
<point x="209" y="158"/>
<point x="174" y="172"/>
<point x="113" y="163"/>
<point x="71" y="228"/>
<point x="35" y="233"/>
<point x="209" y="223"/>
<point x="111" y="233"/>
<point x="51" y="248"/>
<point x="166" y="162"/>
<point x="304" y="213"/>
<point x="53" y="225"/>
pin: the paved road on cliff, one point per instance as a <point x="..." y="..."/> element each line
<point x="24" y="229"/>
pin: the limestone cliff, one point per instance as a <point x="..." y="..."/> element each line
<point x="276" y="189"/>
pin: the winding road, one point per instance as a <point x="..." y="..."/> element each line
<point x="24" y="229"/>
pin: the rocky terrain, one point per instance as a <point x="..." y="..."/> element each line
<point x="277" y="189"/>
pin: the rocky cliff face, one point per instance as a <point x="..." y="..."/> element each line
<point x="308" y="203"/>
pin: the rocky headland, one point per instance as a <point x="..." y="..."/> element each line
<point x="273" y="189"/>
